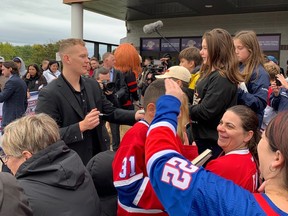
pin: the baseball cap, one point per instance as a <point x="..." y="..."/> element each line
<point x="2" y="59"/>
<point x="177" y="72"/>
<point x="272" y="58"/>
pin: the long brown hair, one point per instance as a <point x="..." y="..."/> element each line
<point x="221" y="55"/>
<point x="249" y="40"/>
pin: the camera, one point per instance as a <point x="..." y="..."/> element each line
<point x="108" y="86"/>
<point x="278" y="83"/>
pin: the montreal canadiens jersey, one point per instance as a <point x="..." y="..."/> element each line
<point x="135" y="193"/>
<point x="237" y="166"/>
<point x="185" y="189"/>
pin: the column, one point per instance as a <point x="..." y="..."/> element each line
<point x="77" y="20"/>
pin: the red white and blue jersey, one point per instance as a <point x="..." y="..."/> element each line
<point x="238" y="166"/>
<point x="135" y="193"/>
<point x="185" y="189"/>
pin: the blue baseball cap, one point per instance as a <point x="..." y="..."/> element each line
<point x="272" y="58"/>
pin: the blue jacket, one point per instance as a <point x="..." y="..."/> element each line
<point x="14" y="96"/>
<point x="280" y="103"/>
<point x="256" y="97"/>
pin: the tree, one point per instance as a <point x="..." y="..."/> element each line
<point x="29" y="53"/>
<point x="7" y="50"/>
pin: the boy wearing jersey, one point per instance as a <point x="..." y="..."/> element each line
<point x="135" y="193"/>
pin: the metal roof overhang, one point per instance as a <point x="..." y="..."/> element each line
<point x="131" y="10"/>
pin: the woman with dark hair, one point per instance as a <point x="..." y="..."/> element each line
<point x="13" y="96"/>
<point x="238" y="137"/>
<point x="52" y="72"/>
<point x="33" y="78"/>
<point x="216" y="89"/>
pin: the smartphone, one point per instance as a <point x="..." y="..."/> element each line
<point x="278" y="83"/>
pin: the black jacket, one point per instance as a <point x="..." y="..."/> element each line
<point x="12" y="198"/>
<point x="216" y="94"/>
<point x="33" y="83"/>
<point x="58" y="101"/>
<point x="57" y="183"/>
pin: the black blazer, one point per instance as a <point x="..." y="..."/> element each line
<point x="58" y="101"/>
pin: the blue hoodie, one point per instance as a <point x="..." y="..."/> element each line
<point x="256" y="97"/>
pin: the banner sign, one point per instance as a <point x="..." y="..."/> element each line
<point x="269" y="42"/>
<point x="150" y="44"/>
<point x="189" y="42"/>
<point x="32" y="101"/>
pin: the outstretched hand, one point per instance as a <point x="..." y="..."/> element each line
<point x="172" y="88"/>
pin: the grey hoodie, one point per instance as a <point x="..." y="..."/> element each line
<point x="57" y="183"/>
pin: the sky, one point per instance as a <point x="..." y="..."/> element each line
<point x="27" y="22"/>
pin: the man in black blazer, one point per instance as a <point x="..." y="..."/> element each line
<point x="78" y="104"/>
<point x="14" y="94"/>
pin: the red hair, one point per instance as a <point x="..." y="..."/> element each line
<point x="127" y="59"/>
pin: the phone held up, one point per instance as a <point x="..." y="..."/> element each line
<point x="278" y="83"/>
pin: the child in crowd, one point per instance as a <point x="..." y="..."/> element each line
<point x="272" y="69"/>
<point x="191" y="59"/>
<point x="256" y="79"/>
<point x="279" y="97"/>
<point x="135" y="193"/>
<point x="216" y="89"/>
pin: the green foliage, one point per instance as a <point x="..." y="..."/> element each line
<point x="30" y="54"/>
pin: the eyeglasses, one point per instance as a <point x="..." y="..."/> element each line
<point x="3" y="157"/>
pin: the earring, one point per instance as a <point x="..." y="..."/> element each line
<point x="272" y="169"/>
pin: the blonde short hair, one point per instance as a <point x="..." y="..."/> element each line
<point x="65" y="44"/>
<point x="31" y="133"/>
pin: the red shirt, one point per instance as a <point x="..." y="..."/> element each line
<point x="238" y="166"/>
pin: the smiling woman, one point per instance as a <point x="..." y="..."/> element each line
<point x="238" y="137"/>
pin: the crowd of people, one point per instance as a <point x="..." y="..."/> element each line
<point x="117" y="136"/>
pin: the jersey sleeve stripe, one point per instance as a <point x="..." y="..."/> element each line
<point x="162" y="124"/>
<point x="154" y="157"/>
<point x="141" y="191"/>
<point x="128" y="181"/>
<point x="138" y="210"/>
